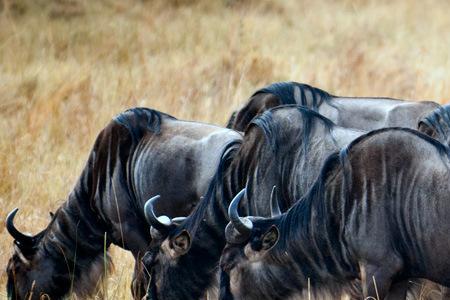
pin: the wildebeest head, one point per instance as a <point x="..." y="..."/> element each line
<point x="256" y="235"/>
<point x="167" y="245"/>
<point x="249" y="241"/>
<point x="32" y="271"/>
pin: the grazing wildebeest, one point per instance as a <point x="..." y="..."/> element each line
<point x="285" y="146"/>
<point x="351" y="112"/>
<point x="140" y="153"/>
<point x="378" y="212"/>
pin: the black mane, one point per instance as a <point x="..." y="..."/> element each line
<point x="139" y="119"/>
<point x="439" y="120"/>
<point x="285" y="91"/>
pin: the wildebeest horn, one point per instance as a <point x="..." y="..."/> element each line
<point x="161" y="223"/>
<point x="243" y="225"/>
<point x="178" y="219"/>
<point x="274" y="207"/>
<point x="23" y="239"/>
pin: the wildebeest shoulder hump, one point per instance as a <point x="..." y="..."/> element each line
<point x="273" y="127"/>
<point x="138" y="120"/>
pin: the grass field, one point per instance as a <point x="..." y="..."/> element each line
<point x="68" y="66"/>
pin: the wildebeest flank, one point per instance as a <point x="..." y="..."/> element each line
<point x="140" y="153"/>
<point x="378" y="212"/>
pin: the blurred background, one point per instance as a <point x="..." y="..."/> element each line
<point x="68" y="66"/>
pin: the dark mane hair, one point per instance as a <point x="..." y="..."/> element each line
<point x="139" y="119"/>
<point x="439" y="120"/>
<point x="285" y="91"/>
<point x="272" y="130"/>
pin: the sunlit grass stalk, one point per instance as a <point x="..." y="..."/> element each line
<point x="105" y="266"/>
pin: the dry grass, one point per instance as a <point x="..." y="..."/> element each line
<point x="66" y="67"/>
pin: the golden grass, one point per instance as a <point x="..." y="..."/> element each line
<point x="68" y="66"/>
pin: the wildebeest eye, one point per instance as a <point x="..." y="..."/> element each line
<point x="231" y="256"/>
<point x="150" y="258"/>
<point x="234" y="237"/>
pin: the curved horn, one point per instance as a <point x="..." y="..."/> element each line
<point x="161" y="223"/>
<point x="23" y="239"/>
<point x="274" y="207"/>
<point x="179" y="220"/>
<point x="243" y="225"/>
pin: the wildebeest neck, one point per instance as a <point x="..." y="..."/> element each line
<point x="76" y="240"/>
<point x="195" y="271"/>
<point x="76" y="229"/>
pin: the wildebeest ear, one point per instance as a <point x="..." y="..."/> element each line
<point x="426" y="129"/>
<point x="270" y="238"/>
<point x="52" y="215"/>
<point x="181" y="242"/>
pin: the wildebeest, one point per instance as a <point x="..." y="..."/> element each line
<point x="285" y="147"/>
<point x="378" y="212"/>
<point x="351" y="112"/>
<point x="141" y="152"/>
